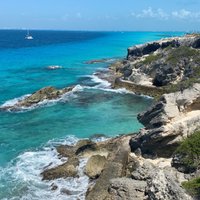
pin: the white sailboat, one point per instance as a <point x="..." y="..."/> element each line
<point x="28" y="36"/>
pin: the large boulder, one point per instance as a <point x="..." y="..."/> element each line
<point x="95" y="166"/>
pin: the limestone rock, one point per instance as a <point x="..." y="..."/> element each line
<point x="114" y="168"/>
<point x="164" y="184"/>
<point x="143" y="172"/>
<point x="143" y="49"/>
<point x="126" y="189"/>
<point x="95" y="166"/>
<point x="168" y="122"/>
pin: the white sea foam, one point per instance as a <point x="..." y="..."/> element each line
<point x="101" y="83"/>
<point x="54" y="67"/>
<point x="14" y="101"/>
<point x="25" y="181"/>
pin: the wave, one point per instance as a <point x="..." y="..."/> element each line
<point x="23" y="180"/>
<point x="101" y="83"/>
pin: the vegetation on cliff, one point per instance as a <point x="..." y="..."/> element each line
<point x="193" y="187"/>
<point x="189" y="150"/>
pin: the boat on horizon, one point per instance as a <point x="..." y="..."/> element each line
<point x="28" y="36"/>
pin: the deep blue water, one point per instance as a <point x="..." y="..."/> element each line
<point x="89" y="110"/>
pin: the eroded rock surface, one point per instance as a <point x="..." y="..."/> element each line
<point x="168" y="122"/>
<point x="95" y="166"/>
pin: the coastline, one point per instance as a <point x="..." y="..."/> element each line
<point x="139" y="181"/>
<point x="128" y="165"/>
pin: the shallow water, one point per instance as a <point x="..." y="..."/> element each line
<point x="27" y="138"/>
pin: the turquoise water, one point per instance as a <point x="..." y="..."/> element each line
<point x="92" y="109"/>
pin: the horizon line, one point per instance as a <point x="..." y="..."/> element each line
<point x="37" y="29"/>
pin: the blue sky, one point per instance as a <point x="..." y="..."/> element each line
<point x="153" y="15"/>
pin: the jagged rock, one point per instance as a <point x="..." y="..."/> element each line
<point x="47" y="93"/>
<point x="143" y="172"/>
<point x="114" y="168"/>
<point x="165" y="184"/>
<point x="140" y="50"/>
<point x="143" y="49"/>
<point x="95" y="166"/>
<point x="65" y="170"/>
<point x="126" y="189"/>
<point x="168" y="122"/>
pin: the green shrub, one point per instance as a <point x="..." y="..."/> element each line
<point x="181" y="52"/>
<point x="152" y="57"/>
<point x="190" y="150"/>
<point x="192" y="187"/>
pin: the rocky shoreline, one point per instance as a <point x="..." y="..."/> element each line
<point x="145" y="165"/>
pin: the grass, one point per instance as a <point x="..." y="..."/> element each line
<point x="192" y="187"/>
<point x="190" y="149"/>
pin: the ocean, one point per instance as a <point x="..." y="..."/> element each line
<point x="28" y="138"/>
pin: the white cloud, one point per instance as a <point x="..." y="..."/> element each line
<point x="183" y="14"/>
<point x="152" y="13"/>
<point x="163" y="15"/>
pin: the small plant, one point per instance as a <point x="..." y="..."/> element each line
<point x="192" y="187"/>
<point x="190" y="151"/>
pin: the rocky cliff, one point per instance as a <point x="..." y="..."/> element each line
<point x="174" y="117"/>
<point x="171" y="64"/>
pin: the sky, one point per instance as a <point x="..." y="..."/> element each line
<point x="108" y="15"/>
